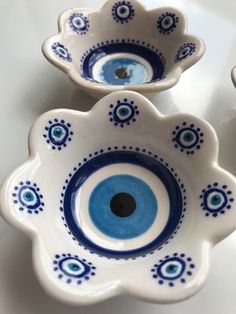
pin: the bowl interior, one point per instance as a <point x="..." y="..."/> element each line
<point x="125" y="44"/>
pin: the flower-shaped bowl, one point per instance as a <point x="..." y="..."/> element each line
<point x="123" y="46"/>
<point x="121" y="200"/>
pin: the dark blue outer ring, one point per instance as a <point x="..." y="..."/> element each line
<point x="135" y="158"/>
<point x="150" y="56"/>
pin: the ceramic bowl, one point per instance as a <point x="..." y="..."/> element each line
<point x="121" y="200"/>
<point x="233" y="76"/>
<point x="123" y="46"/>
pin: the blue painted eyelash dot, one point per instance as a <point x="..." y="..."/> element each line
<point x="173" y="269"/>
<point x="61" y="51"/>
<point x="123" y="112"/>
<point x="79" y="23"/>
<point x="123" y="12"/>
<point x="216" y="199"/>
<point x="58" y="133"/>
<point x="187" y="138"/>
<point x="167" y="23"/>
<point x="73" y="269"/>
<point x="28" y="197"/>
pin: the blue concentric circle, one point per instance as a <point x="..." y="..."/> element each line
<point x="29" y="197"/>
<point x="73" y="267"/>
<point x="122" y="70"/>
<point x="58" y="133"/>
<point x="114" y="225"/>
<point x="101" y="195"/>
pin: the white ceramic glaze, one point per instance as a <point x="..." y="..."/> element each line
<point x="182" y="147"/>
<point x="91" y="47"/>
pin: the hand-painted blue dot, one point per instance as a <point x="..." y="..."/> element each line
<point x="215" y="200"/>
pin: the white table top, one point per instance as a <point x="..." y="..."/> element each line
<point x="29" y="86"/>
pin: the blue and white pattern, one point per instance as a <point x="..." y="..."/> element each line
<point x="187" y="138"/>
<point x="123" y="12"/>
<point x="58" y="133"/>
<point x="62" y="52"/>
<point x="107" y="63"/>
<point x="173" y="269"/>
<point x="110" y="209"/>
<point x="216" y="199"/>
<point x="185" y="51"/>
<point x="28" y="198"/>
<point x="79" y="23"/>
<point x="98" y="160"/>
<point x="72" y="269"/>
<point x="167" y="23"/>
<point x="123" y="112"/>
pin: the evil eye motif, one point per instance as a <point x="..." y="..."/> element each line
<point x="216" y="199"/>
<point x="79" y="23"/>
<point x="167" y="23"/>
<point x="123" y="11"/>
<point x="185" y="51"/>
<point x="58" y="133"/>
<point x="123" y="112"/>
<point x="72" y="269"/>
<point x="173" y="269"/>
<point x="27" y="196"/>
<point x="122" y="215"/>
<point x="61" y="52"/>
<point x="126" y="194"/>
<point x="187" y="138"/>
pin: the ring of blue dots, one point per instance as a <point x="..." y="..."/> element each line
<point x="167" y="23"/>
<point x="136" y="43"/>
<point x="173" y="269"/>
<point x="216" y="199"/>
<point x="61" y="51"/>
<point x="79" y="23"/>
<point x="123" y="113"/>
<point x="185" y="51"/>
<point x="27" y="197"/>
<point x="124" y="148"/>
<point x="187" y="138"/>
<point x="123" y="12"/>
<point x="72" y="269"/>
<point x="58" y="133"/>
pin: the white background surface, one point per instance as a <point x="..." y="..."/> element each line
<point x="29" y="86"/>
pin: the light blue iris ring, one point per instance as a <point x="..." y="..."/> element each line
<point x="123" y="71"/>
<point x="112" y="225"/>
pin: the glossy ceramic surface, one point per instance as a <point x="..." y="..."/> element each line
<point x="122" y="210"/>
<point x="133" y="48"/>
<point x="36" y="87"/>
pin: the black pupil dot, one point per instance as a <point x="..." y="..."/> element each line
<point x="123" y="10"/>
<point x="74" y="266"/>
<point x="28" y="195"/>
<point x="167" y="21"/>
<point x="122" y="73"/>
<point x="122" y="204"/>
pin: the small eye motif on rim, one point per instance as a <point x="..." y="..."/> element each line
<point x="79" y="23"/>
<point x="173" y="269"/>
<point x="27" y="196"/>
<point x="58" y="133"/>
<point x="61" y="52"/>
<point x="167" y="23"/>
<point x="216" y="199"/>
<point x="72" y="269"/>
<point x="187" y="138"/>
<point x="186" y="50"/>
<point x="123" y="112"/>
<point x="123" y="11"/>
